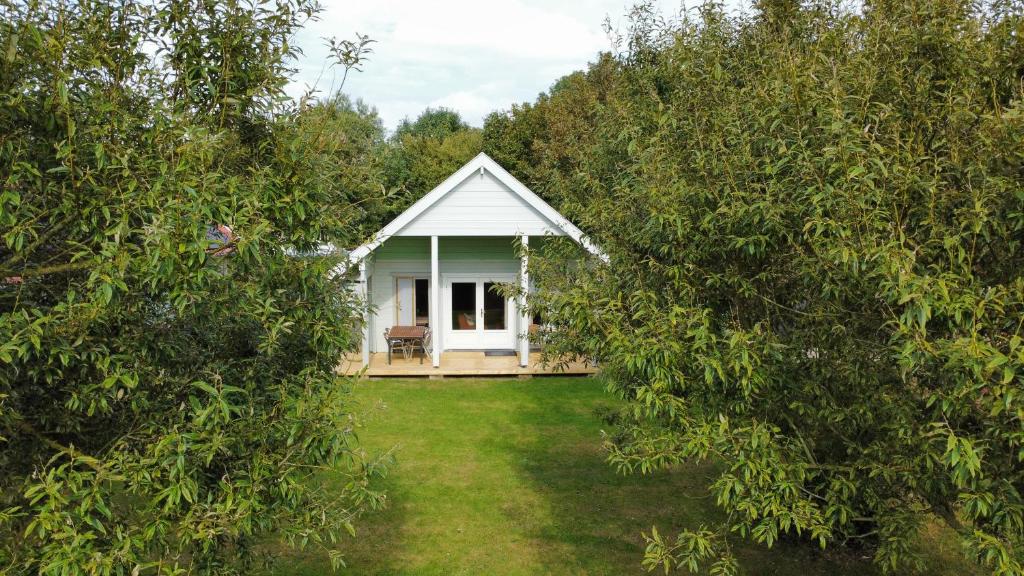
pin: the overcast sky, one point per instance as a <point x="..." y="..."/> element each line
<point x="473" y="57"/>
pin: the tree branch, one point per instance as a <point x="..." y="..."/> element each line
<point x="38" y="242"/>
<point x="69" y="450"/>
<point x="44" y="270"/>
<point x="948" y="516"/>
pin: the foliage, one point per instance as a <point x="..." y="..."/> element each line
<point x="349" y="54"/>
<point x="422" y="153"/>
<point x="436" y="123"/>
<point x="538" y="141"/>
<point x="167" y="392"/>
<point x="814" y="220"/>
<point x="353" y="135"/>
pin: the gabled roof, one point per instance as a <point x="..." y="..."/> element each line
<point x="482" y="162"/>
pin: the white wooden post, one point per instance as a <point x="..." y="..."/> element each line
<point x="524" y="318"/>
<point x="365" y="293"/>
<point x="435" y="300"/>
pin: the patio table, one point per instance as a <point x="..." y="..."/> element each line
<point x="410" y="335"/>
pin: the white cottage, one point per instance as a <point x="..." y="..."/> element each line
<point x="441" y="259"/>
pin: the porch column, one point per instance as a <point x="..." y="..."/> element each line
<point x="524" y="318"/>
<point x="365" y="293"/>
<point x="435" y="301"/>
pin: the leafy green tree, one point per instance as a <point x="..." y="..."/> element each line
<point x="537" y="141"/>
<point x="354" y="134"/>
<point x="436" y="123"/>
<point x="167" y="387"/>
<point x="814" y="218"/>
<point x="422" y="153"/>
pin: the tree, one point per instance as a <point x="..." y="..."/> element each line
<point x="814" y="220"/>
<point x="425" y="152"/>
<point x="167" y="387"/>
<point x="354" y="134"/>
<point x="436" y="123"/>
<point x="537" y="141"/>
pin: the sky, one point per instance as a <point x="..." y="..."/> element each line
<point x="473" y="57"/>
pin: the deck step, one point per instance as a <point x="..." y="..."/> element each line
<point x="459" y="364"/>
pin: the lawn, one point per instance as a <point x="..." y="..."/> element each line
<point x="504" y="477"/>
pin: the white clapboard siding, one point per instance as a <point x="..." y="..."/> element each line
<point x="480" y="205"/>
<point x="399" y="257"/>
<point x="476" y="216"/>
<point x="479" y="199"/>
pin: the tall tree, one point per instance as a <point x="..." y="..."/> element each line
<point x="422" y="153"/>
<point x="167" y="387"/>
<point x="437" y="123"/>
<point x="814" y="218"/>
<point x="353" y="134"/>
<point x="537" y="141"/>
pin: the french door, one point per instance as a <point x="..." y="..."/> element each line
<point x="412" y="301"/>
<point x="476" y="316"/>
<point x="405" y="298"/>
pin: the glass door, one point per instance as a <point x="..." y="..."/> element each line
<point x="495" y="309"/>
<point x="463" y="306"/>
<point x="478" y="316"/>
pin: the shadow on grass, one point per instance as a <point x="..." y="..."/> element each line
<point x="597" y="516"/>
<point x="506" y="477"/>
<point x="374" y="544"/>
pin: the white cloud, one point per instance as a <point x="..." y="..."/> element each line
<point x="474" y="57"/>
<point x="471" y="104"/>
<point x="516" y="30"/>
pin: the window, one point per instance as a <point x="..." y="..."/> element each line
<point x="463" y="305"/>
<point x="494" y="307"/>
<point x="422" y="302"/>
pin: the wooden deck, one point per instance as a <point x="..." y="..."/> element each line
<point x="458" y="364"/>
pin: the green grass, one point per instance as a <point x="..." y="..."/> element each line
<point x="504" y="477"/>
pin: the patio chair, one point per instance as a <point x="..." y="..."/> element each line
<point x="422" y="344"/>
<point x="398" y="344"/>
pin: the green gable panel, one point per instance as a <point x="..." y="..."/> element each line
<point x="476" y="248"/>
<point x="450" y="248"/>
<point x="404" y="248"/>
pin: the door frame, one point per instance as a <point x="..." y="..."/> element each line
<point x="414" y="276"/>
<point x="480" y="338"/>
<point x="398" y="297"/>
